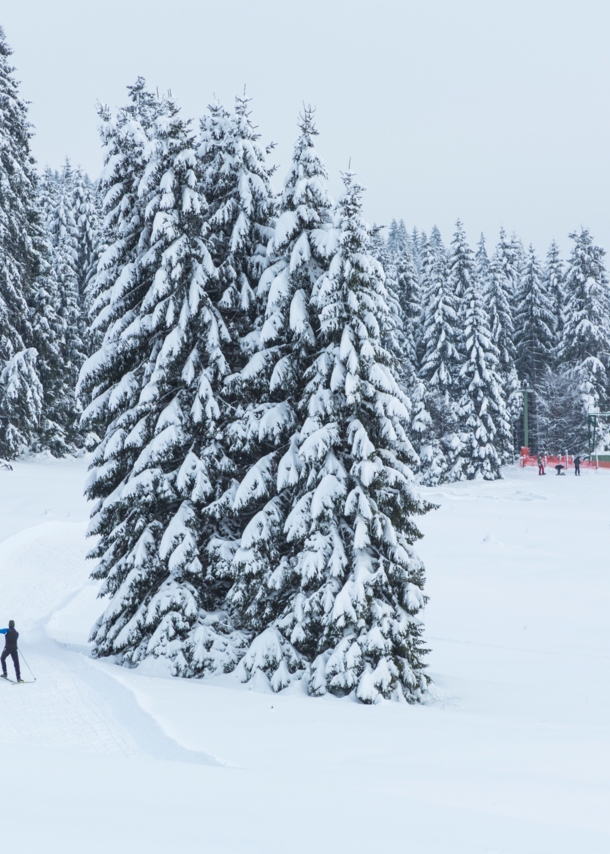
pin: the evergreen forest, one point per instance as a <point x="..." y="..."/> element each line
<point x="262" y="380"/>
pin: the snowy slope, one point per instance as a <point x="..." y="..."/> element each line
<point x="512" y="757"/>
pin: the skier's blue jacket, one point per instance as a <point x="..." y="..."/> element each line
<point x="10" y="642"/>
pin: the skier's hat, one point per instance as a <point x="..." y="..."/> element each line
<point x="11" y="624"/>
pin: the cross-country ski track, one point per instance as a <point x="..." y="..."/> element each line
<point x="511" y="755"/>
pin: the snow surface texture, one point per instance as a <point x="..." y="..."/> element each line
<point x="512" y="757"/>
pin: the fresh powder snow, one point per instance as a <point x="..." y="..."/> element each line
<point x="510" y="754"/>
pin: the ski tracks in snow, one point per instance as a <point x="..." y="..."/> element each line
<point x="59" y="711"/>
<point x="73" y="704"/>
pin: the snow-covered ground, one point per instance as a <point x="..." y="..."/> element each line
<point x="513" y="756"/>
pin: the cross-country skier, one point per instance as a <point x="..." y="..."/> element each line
<point x="10" y="648"/>
<point x="577" y="464"/>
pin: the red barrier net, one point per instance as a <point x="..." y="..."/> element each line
<point x="567" y="461"/>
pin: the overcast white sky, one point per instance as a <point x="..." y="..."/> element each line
<point x="494" y="111"/>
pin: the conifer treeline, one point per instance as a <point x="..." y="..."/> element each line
<point x="48" y="237"/>
<point x="46" y="338"/>
<point x="478" y="329"/>
<point x="262" y="379"/>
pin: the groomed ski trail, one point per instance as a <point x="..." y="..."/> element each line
<point x="73" y="703"/>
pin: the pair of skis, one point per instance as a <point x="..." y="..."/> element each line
<point x="14" y="681"/>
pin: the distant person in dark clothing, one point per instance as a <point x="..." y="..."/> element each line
<point x="10" y="648"/>
<point x="577" y="465"/>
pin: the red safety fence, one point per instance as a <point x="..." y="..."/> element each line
<point x="567" y="461"/>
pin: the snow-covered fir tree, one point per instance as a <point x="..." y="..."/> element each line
<point x="518" y="253"/>
<point x="47" y="187"/>
<point x="398" y="238"/>
<point x="148" y="385"/>
<point x="167" y="438"/>
<point x="396" y="335"/>
<point x="62" y="407"/>
<point x="498" y="295"/>
<point x="19" y="258"/>
<point x="416" y="242"/>
<point x="586" y="332"/>
<point x="439" y="363"/>
<point x="534" y="323"/>
<point x="21" y="403"/>
<point x="85" y="203"/>
<point x="483" y="417"/>
<point x="508" y="258"/>
<point x="404" y="282"/>
<point x="346" y="584"/>
<point x="481" y="259"/>
<point x="462" y="266"/>
<point x="357" y="576"/>
<point x="48" y="337"/>
<point x="17" y="189"/>
<point x="61" y="219"/>
<point x="126" y="139"/>
<point x="114" y="377"/>
<point x="379" y="246"/>
<point x="402" y="337"/>
<point x="409" y="297"/>
<point x="554" y="286"/>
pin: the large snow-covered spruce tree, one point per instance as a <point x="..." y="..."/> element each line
<point x="114" y="378"/>
<point x="359" y="580"/>
<point x="164" y="474"/>
<point x="150" y="388"/>
<point x="333" y="546"/>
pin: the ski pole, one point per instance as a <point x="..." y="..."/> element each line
<point x="27" y="665"/>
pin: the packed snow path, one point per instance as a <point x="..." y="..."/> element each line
<point x="73" y="703"/>
<point x="513" y="756"/>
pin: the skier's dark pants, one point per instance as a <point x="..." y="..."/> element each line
<point x="14" y="655"/>
<point x="577" y="470"/>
